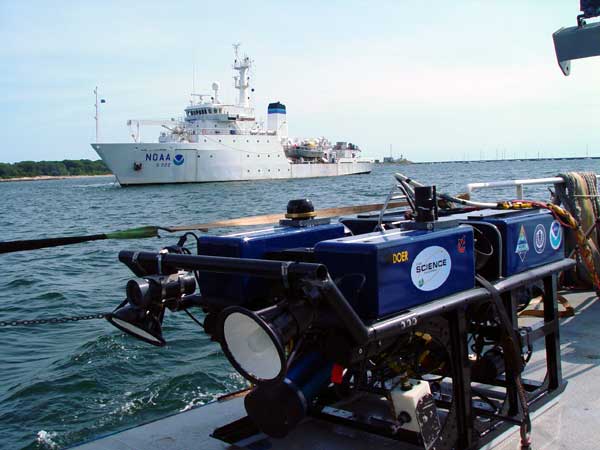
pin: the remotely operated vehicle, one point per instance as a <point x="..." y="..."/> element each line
<point x="399" y="323"/>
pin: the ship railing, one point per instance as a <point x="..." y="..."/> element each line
<point x="518" y="184"/>
<point x="231" y="131"/>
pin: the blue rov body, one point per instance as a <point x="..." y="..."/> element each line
<point x="529" y="238"/>
<point x="382" y="273"/>
<point x="256" y="244"/>
<point x="400" y="269"/>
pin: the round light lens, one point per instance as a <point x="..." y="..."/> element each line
<point x="248" y="344"/>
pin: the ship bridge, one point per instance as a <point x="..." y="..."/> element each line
<point x="218" y="112"/>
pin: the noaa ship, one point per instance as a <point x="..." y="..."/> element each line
<point x="215" y="141"/>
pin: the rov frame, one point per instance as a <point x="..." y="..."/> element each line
<point x="469" y="433"/>
<point x="539" y="394"/>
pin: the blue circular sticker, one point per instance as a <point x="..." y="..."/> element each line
<point x="539" y="238"/>
<point x="555" y="235"/>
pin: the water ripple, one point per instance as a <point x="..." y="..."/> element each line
<point x="61" y="384"/>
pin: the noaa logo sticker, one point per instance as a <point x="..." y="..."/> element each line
<point x="522" y="245"/>
<point x="539" y="238"/>
<point x="178" y="160"/>
<point x="555" y="235"/>
<point x="431" y="268"/>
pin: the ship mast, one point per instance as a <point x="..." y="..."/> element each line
<point x="96" y="117"/>
<point x="242" y="81"/>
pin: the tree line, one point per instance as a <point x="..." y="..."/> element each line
<point x="67" y="167"/>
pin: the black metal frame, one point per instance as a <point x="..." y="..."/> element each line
<point x="453" y="307"/>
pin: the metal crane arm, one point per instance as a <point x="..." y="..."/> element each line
<point x="581" y="41"/>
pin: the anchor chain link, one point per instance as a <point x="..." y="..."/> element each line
<point x="52" y="320"/>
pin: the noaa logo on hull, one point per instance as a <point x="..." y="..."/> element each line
<point x="178" y="159"/>
<point x="158" y="157"/>
<point x="431" y="268"/>
<point x="555" y="235"/>
<point x="539" y="239"/>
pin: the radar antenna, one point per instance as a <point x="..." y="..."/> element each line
<point x="242" y="80"/>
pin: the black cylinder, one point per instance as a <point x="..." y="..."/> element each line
<point x="425" y="203"/>
<point x="276" y="410"/>
<point x="300" y="209"/>
<point x="169" y="263"/>
<point x="489" y="367"/>
<point x="145" y="291"/>
<point x="139" y="292"/>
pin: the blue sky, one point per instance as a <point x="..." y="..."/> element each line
<point x="438" y="80"/>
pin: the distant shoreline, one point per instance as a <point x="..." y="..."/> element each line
<point x="472" y="161"/>
<point x="49" y="177"/>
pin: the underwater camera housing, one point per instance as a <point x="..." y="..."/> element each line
<point x="158" y="287"/>
<point x="326" y="323"/>
<point x="141" y="313"/>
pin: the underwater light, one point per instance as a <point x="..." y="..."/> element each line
<point x="254" y="341"/>
<point x="252" y="346"/>
<point x="141" y="313"/>
<point x="143" y="324"/>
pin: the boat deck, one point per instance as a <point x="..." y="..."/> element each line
<point x="572" y="422"/>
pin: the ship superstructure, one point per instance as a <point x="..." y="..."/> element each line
<point x="215" y="141"/>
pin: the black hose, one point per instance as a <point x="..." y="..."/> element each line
<point x="34" y="244"/>
<point x="513" y="351"/>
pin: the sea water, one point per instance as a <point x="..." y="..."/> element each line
<point x="64" y="383"/>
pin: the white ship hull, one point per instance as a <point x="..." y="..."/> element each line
<point x="160" y="163"/>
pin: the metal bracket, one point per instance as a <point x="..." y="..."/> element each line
<point x="284" y="273"/>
